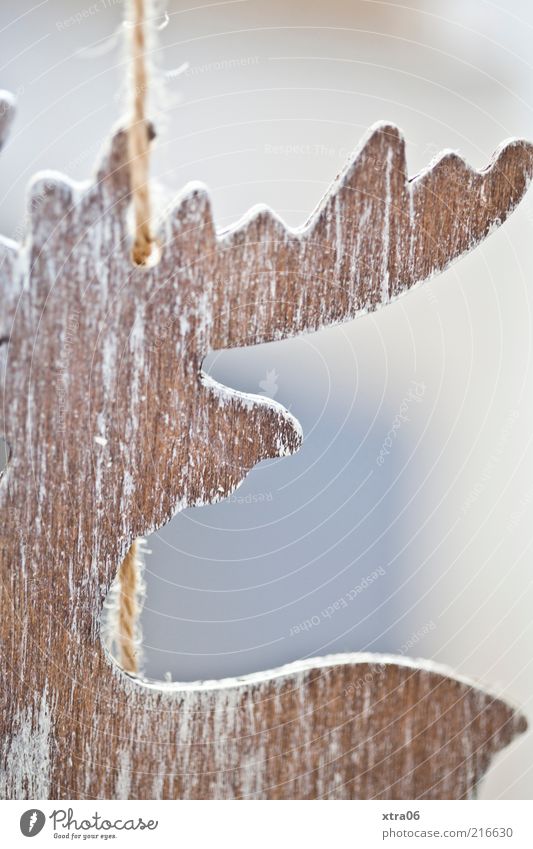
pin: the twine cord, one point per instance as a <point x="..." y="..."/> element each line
<point x="139" y="137"/>
<point x="128" y="610"/>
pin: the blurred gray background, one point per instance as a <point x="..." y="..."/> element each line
<point x="276" y="96"/>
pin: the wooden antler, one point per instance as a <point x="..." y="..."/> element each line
<point x="113" y="428"/>
<point x="374" y="235"/>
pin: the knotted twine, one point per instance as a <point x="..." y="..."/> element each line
<point x="139" y="137"/>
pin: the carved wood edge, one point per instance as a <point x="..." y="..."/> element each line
<point x="113" y="428"/>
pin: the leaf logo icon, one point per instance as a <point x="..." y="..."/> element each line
<point x="32" y="822"/>
<point x="270" y="384"/>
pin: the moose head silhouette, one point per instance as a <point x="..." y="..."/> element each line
<point x="113" y="427"/>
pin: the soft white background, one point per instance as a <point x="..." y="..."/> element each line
<point x="276" y="96"/>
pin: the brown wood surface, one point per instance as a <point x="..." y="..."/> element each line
<point x="113" y="428"/>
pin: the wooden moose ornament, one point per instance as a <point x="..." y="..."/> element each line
<point x="113" y="428"/>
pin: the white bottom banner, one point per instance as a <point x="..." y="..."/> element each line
<point x="268" y="824"/>
<point x="264" y="824"/>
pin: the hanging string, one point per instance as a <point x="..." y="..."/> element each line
<point x="139" y="135"/>
<point x="128" y="610"/>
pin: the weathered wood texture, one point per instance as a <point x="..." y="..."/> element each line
<point x="113" y="428"/>
<point x="347" y="727"/>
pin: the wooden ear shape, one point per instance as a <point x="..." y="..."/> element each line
<point x="113" y="173"/>
<point x="113" y="429"/>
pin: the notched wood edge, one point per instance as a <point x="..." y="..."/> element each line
<point x="112" y="160"/>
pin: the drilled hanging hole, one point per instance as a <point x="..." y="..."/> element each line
<point x="150" y="261"/>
